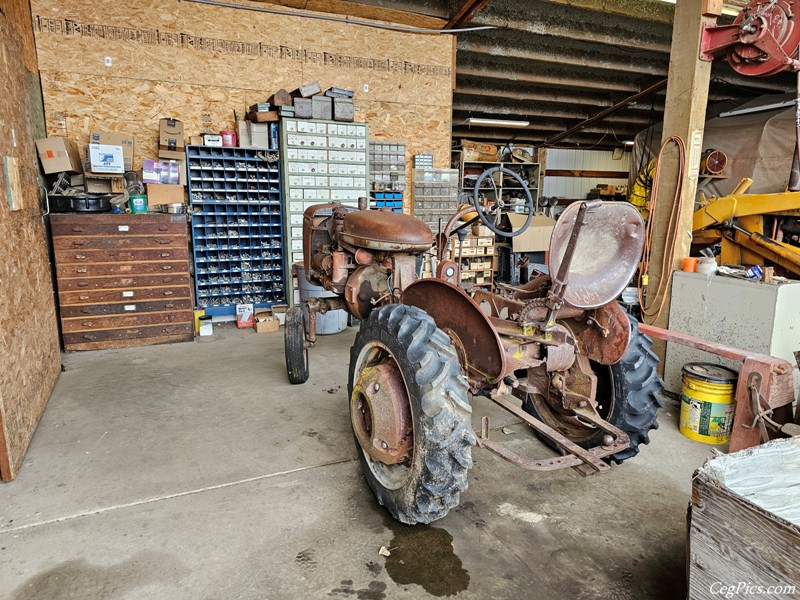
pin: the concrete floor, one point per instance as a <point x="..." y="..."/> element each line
<point x="195" y="471"/>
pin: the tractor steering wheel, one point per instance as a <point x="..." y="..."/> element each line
<point x="492" y="217"/>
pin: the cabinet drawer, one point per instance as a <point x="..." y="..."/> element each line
<point x="121" y="281"/>
<point x="73" y="242"/>
<point x="127" y="333"/>
<point x="126" y="321"/>
<point x="104" y="269"/>
<point x="114" y="255"/>
<point x="122" y="295"/>
<point x="126" y="308"/>
<point x="121" y="226"/>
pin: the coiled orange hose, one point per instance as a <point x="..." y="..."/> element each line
<point x="659" y="298"/>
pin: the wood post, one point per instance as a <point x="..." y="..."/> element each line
<point x="684" y="116"/>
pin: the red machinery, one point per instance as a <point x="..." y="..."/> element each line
<point x="762" y="41"/>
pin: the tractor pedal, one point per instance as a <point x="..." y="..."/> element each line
<point x="790" y="429"/>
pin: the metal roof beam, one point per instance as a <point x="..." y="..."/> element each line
<point x="531" y="110"/>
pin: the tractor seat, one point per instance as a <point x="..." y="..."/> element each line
<point x="386" y="231"/>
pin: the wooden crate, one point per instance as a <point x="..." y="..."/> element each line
<point x="744" y="523"/>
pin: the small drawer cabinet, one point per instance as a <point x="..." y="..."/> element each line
<point x="123" y="280"/>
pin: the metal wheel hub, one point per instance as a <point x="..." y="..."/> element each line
<point x="381" y="414"/>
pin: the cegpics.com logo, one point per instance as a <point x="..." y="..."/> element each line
<point x="743" y="588"/>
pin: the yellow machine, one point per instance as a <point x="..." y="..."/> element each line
<point x="738" y="222"/>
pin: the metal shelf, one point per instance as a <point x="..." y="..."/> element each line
<point x="215" y="228"/>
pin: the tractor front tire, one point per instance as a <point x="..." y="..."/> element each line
<point x="636" y="389"/>
<point x="294" y="346"/>
<point x="431" y="480"/>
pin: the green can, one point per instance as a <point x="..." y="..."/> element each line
<point x="138" y="204"/>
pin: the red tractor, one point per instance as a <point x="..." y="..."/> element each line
<point x="558" y="352"/>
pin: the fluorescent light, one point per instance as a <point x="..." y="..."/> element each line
<point x="496" y="122"/>
<point x="629" y="142"/>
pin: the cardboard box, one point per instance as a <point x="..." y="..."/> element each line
<point x="534" y="239"/>
<point x="59" y="155"/>
<point x="172" y="154"/>
<point x="259" y="135"/>
<point x="162" y="193"/>
<point x="170" y="135"/>
<point x="103" y="184"/>
<point x="266" y="322"/>
<point x="243" y="133"/>
<point x="212" y="139"/>
<point x="101" y="159"/>
<point x="157" y="171"/>
<point x="244" y="316"/>
<point x="108" y="138"/>
<point x="196" y="140"/>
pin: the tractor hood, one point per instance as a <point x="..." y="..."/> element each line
<point x="386" y="231"/>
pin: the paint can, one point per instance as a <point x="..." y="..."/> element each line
<point x="138" y="204"/>
<point x="707" y="402"/>
<point x="228" y="138"/>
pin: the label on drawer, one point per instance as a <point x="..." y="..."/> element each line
<point x="129" y="307"/>
<point x="124" y="228"/>
<point x="127" y="294"/>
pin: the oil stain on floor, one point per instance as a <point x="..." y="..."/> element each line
<point x="424" y="555"/>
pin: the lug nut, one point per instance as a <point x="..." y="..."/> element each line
<point x="558" y="382"/>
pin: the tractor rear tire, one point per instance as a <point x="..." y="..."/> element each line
<point x="294" y="346"/>
<point x="431" y="481"/>
<point x="637" y="397"/>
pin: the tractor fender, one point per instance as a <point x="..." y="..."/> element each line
<point x="476" y="341"/>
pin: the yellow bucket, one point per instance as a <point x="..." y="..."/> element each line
<point x="707" y="402"/>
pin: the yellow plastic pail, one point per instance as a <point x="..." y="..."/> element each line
<point x="707" y="402"/>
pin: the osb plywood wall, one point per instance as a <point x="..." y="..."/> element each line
<point x="29" y="353"/>
<point x="199" y="63"/>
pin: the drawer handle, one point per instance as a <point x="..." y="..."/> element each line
<point x="78" y="244"/>
<point x="82" y="270"/>
<point x="170" y="318"/>
<point x="168" y="293"/>
<point x="168" y="279"/>
<point x="86" y="311"/>
<point x="163" y="228"/>
<point x="80" y="256"/>
<point x="90" y="337"/>
<point x="78" y="229"/>
<point x="169" y="305"/>
<point x="83" y="297"/>
<point x="83" y="284"/>
<point x="166" y="267"/>
<point x="87" y="323"/>
<point x="165" y="254"/>
<point x="163" y="241"/>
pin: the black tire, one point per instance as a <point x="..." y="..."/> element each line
<point x="431" y="484"/>
<point x="637" y="396"/>
<point x="294" y="346"/>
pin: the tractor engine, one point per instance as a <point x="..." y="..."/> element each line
<point x="366" y="257"/>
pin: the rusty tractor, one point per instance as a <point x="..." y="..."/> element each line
<point x="558" y="352"/>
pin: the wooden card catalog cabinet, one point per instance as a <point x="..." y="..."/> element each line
<point x="123" y="280"/>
